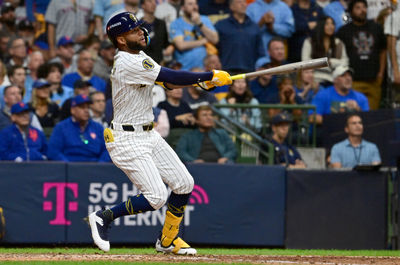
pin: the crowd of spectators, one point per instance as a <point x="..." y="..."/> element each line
<point x="56" y="61"/>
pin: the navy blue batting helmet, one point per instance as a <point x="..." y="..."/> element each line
<point x="124" y="22"/>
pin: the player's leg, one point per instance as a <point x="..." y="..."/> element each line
<point x="178" y="178"/>
<point x="138" y="166"/>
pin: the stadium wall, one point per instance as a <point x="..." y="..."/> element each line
<point x="233" y="205"/>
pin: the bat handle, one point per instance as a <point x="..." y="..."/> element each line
<point x="239" y="76"/>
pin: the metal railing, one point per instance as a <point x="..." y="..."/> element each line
<point x="247" y="137"/>
<point x="251" y="137"/>
<point x="302" y="133"/>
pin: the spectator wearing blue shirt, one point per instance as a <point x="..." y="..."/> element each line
<point x="274" y="17"/>
<point x="264" y="86"/>
<point x="354" y="150"/>
<point x="85" y="71"/>
<point x="20" y="141"/>
<point x="340" y="97"/>
<point x="337" y="11"/>
<point x="78" y="138"/>
<point x="190" y="34"/>
<point x="239" y="33"/>
<point x="284" y="153"/>
<point x="276" y="53"/>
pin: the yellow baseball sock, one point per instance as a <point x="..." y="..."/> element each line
<point x="170" y="229"/>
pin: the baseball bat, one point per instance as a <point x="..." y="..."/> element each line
<point x="286" y="68"/>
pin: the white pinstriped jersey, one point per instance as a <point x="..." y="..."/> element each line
<point x="144" y="156"/>
<point x="133" y="78"/>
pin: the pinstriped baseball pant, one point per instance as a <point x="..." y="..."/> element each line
<point x="149" y="162"/>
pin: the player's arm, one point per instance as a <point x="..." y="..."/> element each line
<point x="171" y="79"/>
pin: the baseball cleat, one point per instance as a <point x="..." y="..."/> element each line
<point x="178" y="247"/>
<point x="99" y="228"/>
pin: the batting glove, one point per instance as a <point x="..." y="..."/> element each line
<point x="206" y="85"/>
<point x="221" y="78"/>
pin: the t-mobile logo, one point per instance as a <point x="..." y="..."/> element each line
<point x="60" y="189"/>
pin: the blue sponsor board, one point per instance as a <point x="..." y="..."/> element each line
<point x="230" y="204"/>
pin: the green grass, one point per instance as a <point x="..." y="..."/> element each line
<point x="202" y="251"/>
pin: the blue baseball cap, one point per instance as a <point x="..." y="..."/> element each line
<point x="19" y="107"/>
<point x="80" y="99"/>
<point x="40" y="83"/>
<point x="64" y="41"/>
<point x="281" y="118"/>
<point x="121" y="23"/>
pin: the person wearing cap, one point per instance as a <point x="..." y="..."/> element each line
<point x="104" y="62"/>
<point x="80" y="88"/>
<point x="354" y="150"/>
<point x="148" y="161"/>
<point x="26" y="30"/>
<point x="11" y="95"/>
<point x="284" y="153"/>
<point x="65" y="54"/>
<point x="338" y="98"/>
<point x="46" y="110"/>
<point x="21" y="141"/>
<point x="78" y="138"/>
<point x="7" y="18"/>
<point x="67" y="18"/>
<point x="52" y="73"/>
<point x="85" y="66"/>
<point x="366" y="47"/>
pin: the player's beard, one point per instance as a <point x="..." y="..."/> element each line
<point x="134" y="45"/>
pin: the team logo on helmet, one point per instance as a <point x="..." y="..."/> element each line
<point x="131" y="16"/>
<point x="147" y="64"/>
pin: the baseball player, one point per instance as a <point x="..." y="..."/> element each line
<point x="135" y="147"/>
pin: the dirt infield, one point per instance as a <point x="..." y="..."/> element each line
<point x="253" y="259"/>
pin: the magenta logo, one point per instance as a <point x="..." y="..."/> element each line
<point x="60" y="189"/>
<point x="199" y="196"/>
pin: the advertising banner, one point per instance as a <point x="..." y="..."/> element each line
<point x="229" y="205"/>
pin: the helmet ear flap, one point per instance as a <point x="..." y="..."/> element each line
<point x="146" y="35"/>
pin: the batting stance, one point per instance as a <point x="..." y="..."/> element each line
<point x="134" y="147"/>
